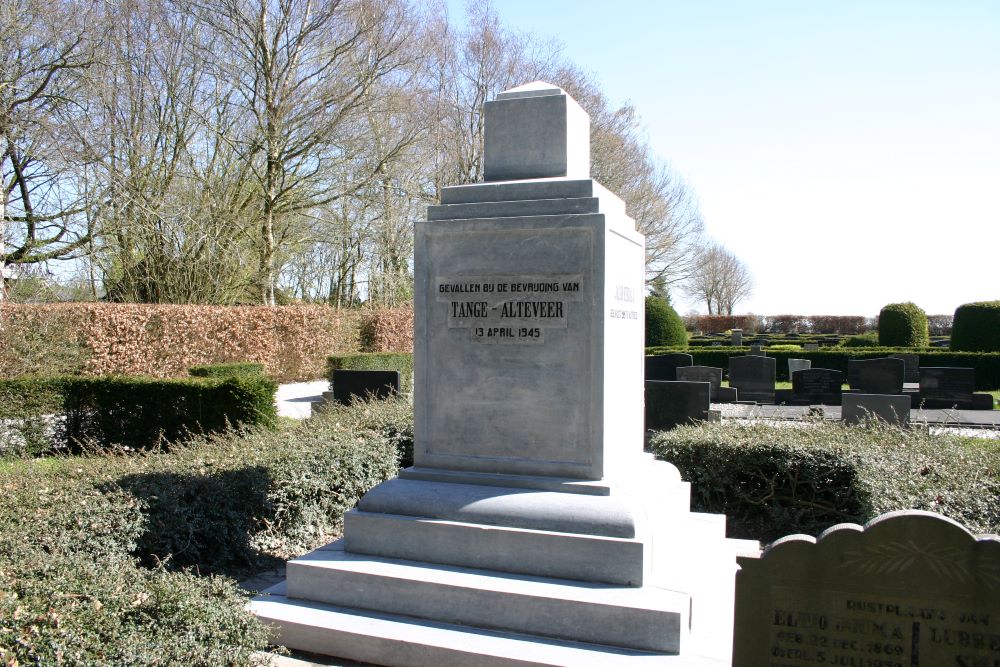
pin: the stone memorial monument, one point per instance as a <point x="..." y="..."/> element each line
<point x="532" y="528"/>
<point x="753" y="377"/>
<point x="910" y="589"/>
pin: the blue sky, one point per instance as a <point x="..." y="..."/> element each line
<point x="848" y="152"/>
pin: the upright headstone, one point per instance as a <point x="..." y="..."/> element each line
<point x="753" y="377"/>
<point x="876" y="376"/>
<point x="810" y="346"/>
<point x="942" y="386"/>
<point x="911" y="366"/>
<point x="798" y="365"/>
<point x="889" y="408"/>
<point x="664" y="366"/>
<point x="757" y="350"/>
<point x="532" y="528"/>
<point x="817" y="386"/>
<point x="350" y="385"/>
<point x="736" y="338"/>
<point x="671" y="404"/>
<point x="709" y="374"/>
<point x="910" y="589"/>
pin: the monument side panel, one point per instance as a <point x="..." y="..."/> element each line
<point x="507" y="314"/>
<point x="622" y="346"/>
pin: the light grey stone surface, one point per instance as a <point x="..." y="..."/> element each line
<point x="647" y="618"/>
<point x="798" y="365"/>
<point x="535" y="131"/>
<point x="736" y="337"/>
<point x="910" y="588"/>
<point x="528" y="368"/>
<point x="890" y="408"/>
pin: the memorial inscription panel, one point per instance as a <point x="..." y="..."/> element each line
<point x="921" y="593"/>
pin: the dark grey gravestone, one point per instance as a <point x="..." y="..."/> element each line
<point x="708" y="374"/>
<point x="736" y="338"/>
<point x="350" y="385"/>
<point x="798" y="365"/>
<point x="753" y="377"/>
<point x="945" y="387"/>
<point x="876" y="376"/>
<point x="909" y="589"/>
<point x="729" y="395"/>
<point x="664" y="366"/>
<point x="810" y="346"/>
<point x="817" y="386"/>
<point x="890" y="408"/>
<point x="757" y="350"/>
<point x="911" y="366"/>
<point x="673" y="403"/>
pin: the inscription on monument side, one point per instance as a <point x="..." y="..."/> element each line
<point x="509" y="309"/>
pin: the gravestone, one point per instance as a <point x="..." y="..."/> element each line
<point x="810" y="346"/>
<point x="532" y="528"/>
<point x="753" y="377"/>
<point x="911" y="366"/>
<point x="736" y="338"/>
<point x="757" y="350"/>
<point x="670" y="404"/>
<point x="708" y="374"/>
<point x="947" y="387"/>
<point x="817" y="386"/>
<point x="876" y="376"/>
<point x="890" y="408"/>
<point x="349" y="385"/>
<point x="909" y="589"/>
<point x="664" y="366"/>
<point x="798" y="365"/>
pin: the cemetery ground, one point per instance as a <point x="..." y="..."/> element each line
<point x="114" y="558"/>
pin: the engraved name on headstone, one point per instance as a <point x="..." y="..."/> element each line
<point x="910" y="589"/>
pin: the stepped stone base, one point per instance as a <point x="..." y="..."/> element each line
<point x="516" y="571"/>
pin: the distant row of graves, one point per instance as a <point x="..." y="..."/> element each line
<point x="677" y="390"/>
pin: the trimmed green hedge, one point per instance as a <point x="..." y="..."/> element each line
<point x="772" y="481"/>
<point x="976" y="327"/>
<point x="134" y="412"/>
<point x="245" y="369"/>
<point x="903" y="325"/>
<point x="375" y="361"/>
<point x="98" y="554"/>
<point x="663" y="325"/>
<point x="986" y="364"/>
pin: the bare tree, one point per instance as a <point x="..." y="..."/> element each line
<point x="43" y="48"/>
<point x="719" y="279"/>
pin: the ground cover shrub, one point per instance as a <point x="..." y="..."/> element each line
<point x="102" y="558"/>
<point x="235" y="369"/>
<point x="976" y="327"/>
<point x="663" y="325"/>
<point x="776" y="480"/>
<point x="375" y="361"/>
<point x="903" y="325"/>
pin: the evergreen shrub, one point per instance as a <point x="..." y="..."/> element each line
<point x="976" y="327"/>
<point x="772" y="481"/>
<point x="903" y="325"/>
<point x="867" y="339"/>
<point x="236" y="369"/>
<point x="663" y="325"/>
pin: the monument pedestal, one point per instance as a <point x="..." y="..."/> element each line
<point x="532" y="529"/>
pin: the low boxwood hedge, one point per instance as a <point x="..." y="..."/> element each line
<point x="236" y="369"/>
<point x="135" y="412"/>
<point x="986" y="364"/>
<point x="103" y="559"/>
<point x="776" y="480"/>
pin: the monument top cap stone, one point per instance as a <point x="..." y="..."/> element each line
<point x="536" y="131"/>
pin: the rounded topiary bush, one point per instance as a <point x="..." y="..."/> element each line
<point x="976" y="327"/>
<point x="664" y="327"/>
<point x="903" y="325"/>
